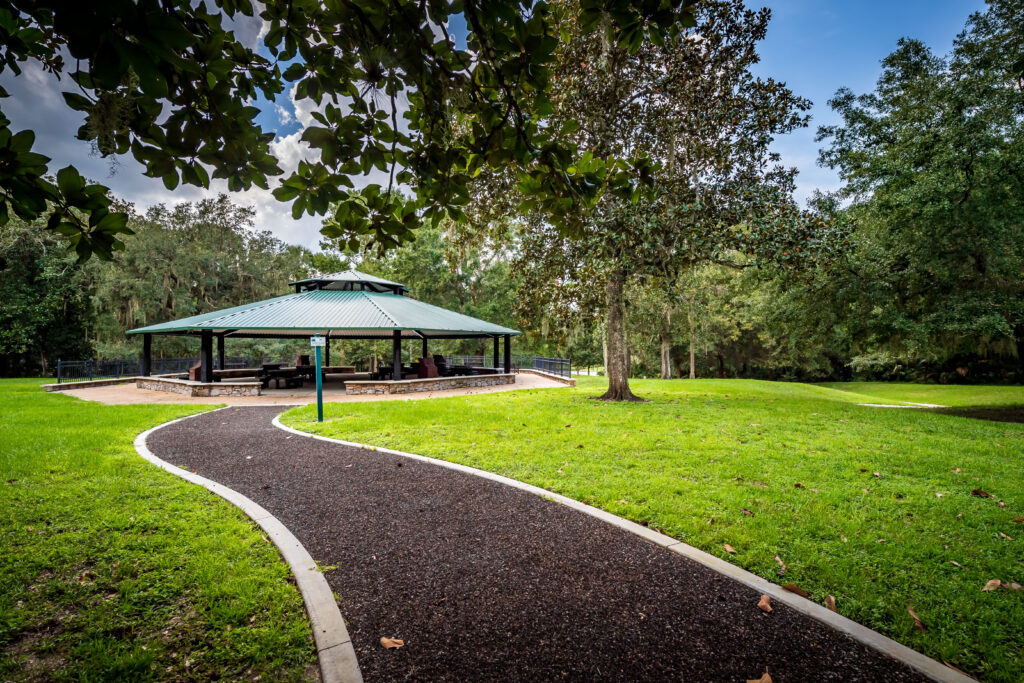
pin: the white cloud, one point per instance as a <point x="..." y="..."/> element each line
<point x="283" y="115"/>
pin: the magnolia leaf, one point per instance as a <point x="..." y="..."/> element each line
<point x="782" y="565"/>
<point x="991" y="585"/>
<point x="830" y="603"/>
<point x="728" y="548"/>
<point x="917" y="620"/>
<point x="793" y="588"/>
<point x="765" y="678"/>
<point x="765" y="604"/>
<point x="391" y="643"/>
<point x="980" y="493"/>
<point x="1008" y="538"/>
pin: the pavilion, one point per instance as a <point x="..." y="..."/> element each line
<point x="348" y="305"/>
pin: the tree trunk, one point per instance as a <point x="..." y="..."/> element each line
<point x="618" y="348"/>
<point x="721" y="366"/>
<point x="666" y="344"/>
<point x="693" y="333"/>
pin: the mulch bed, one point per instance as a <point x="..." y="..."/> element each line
<point x="486" y="582"/>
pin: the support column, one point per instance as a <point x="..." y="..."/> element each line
<point x="396" y="355"/>
<point x="424" y="348"/>
<point x="327" y="349"/>
<point x="508" y="353"/>
<point x="206" y="356"/>
<point x="220" y="351"/>
<point x="495" y="352"/>
<point x="147" y="355"/>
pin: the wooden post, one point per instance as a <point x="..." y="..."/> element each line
<point x="424" y="348"/>
<point x="220" y="351"/>
<point x="147" y="355"/>
<point x="508" y="353"/>
<point x="396" y="355"/>
<point x="206" y="356"/>
<point x="495" y="352"/>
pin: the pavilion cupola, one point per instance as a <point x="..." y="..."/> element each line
<point x="350" y="281"/>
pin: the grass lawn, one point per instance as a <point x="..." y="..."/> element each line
<point x="954" y="396"/>
<point x="111" y="569"/>
<point x="801" y="459"/>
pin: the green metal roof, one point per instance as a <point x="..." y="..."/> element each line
<point x="341" y="313"/>
<point x="339" y="280"/>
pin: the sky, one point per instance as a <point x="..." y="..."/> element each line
<point x="815" y="46"/>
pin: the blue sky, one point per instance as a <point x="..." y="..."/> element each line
<point x="814" y="46"/>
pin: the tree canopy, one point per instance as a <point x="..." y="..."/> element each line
<point x="171" y="83"/>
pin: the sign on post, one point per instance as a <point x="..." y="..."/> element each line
<point x="318" y="342"/>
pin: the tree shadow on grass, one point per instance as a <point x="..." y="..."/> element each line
<point x="997" y="414"/>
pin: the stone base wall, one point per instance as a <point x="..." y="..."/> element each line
<point x="409" y="386"/>
<point x="183" y="386"/>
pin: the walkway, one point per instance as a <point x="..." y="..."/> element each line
<point x="486" y="582"/>
<point x="334" y="392"/>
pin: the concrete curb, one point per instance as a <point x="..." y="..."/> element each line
<point x="334" y="647"/>
<point x="927" y="666"/>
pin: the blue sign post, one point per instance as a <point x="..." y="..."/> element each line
<point x="318" y="342"/>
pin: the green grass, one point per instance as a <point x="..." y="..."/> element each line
<point x="692" y="458"/>
<point x="939" y="394"/>
<point x="111" y="569"/>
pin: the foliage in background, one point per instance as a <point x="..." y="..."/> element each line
<point x="170" y="83"/>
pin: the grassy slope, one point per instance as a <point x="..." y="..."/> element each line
<point x="690" y="459"/>
<point x="112" y="569"/>
<point x="940" y="394"/>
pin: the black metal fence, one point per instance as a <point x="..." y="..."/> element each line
<point x="556" y="366"/>
<point x="86" y="370"/>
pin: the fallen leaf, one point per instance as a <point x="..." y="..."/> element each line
<point x="956" y="564"/>
<point x="1016" y="586"/>
<point x="991" y="585"/>
<point x="863" y="470"/>
<point x="980" y="493"/>
<point x="764" y="604"/>
<point x="830" y="603"/>
<point x="799" y="486"/>
<point x="391" y="643"/>
<point x="747" y="512"/>
<point x="782" y="565"/>
<point x="793" y="588"/>
<point x="1001" y="504"/>
<point x="881" y="540"/>
<point x="624" y="502"/>
<point x="1018" y="520"/>
<point x="877" y="474"/>
<point x="567" y="426"/>
<point x="957" y="469"/>
<point x="728" y="548"/>
<point x="917" y="620"/>
<point x="844" y="538"/>
<point x="763" y="679"/>
<point x="938" y="495"/>
<point x="579" y="446"/>
<point x="1005" y="536"/>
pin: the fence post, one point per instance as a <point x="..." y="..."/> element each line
<point x="92" y="369"/>
<point x="58" y="371"/>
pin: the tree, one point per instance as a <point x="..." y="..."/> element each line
<point x="691" y="103"/>
<point x="46" y="311"/>
<point x="170" y="83"/>
<point x="932" y="162"/>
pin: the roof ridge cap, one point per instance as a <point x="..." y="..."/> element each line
<point x="378" y="307"/>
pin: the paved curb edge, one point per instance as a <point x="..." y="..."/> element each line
<point x="934" y="670"/>
<point x="334" y="649"/>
